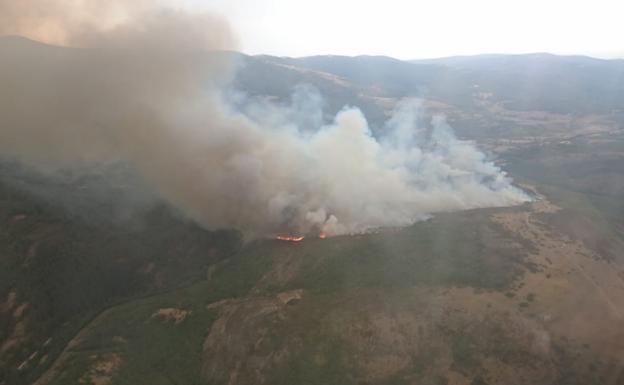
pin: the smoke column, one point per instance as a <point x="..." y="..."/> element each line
<point x="143" y="86"/>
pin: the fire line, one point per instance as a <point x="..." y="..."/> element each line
<point x="290" y="238"/>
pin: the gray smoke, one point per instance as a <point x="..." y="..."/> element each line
<point x="144" y="87"/>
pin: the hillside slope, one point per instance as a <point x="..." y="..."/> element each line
<point x="103" y="283"/>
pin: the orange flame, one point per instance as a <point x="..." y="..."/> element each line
<point x="322" y="235"/>
<point x="289" y="238"/>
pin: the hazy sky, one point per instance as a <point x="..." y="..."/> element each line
<point x="417" y="29"/>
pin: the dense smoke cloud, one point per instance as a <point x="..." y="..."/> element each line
<point x="143" y="89"/>
<point x="113" y="23"/>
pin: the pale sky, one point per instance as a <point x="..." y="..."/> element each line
<point x="422" y="29"/>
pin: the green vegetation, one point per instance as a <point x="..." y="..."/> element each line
<point x="152" y="348"/>
<point x="449" y="250"/>
<point x="463" y="249"/>
<point x="585" y="178"/>
<point x="70" y="278"/>
<point x="478" y="380"/>
<point x="158" y="351"/>
<point x="464" y="350"/>
<point x="67" y="269"/>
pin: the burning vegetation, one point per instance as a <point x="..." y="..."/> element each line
<point x="289" y="237"/>
<point x="296" y="237"/>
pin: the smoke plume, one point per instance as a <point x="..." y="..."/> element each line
<point x="143" y="86"/>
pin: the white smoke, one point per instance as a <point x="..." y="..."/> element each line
<point x="350" y="182"/>
<point x="144" y="91"/>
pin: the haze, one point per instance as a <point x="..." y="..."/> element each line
<point x="174" y="211"/>
<point x="422" y="29"/>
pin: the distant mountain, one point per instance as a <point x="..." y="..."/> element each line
<point x="278" y="77"/>
<point x="543" y="81"/>
<point x="384" y="73"/>
<point x="540" y="81"/>
<point x="387" y="77"/>
<point x="465" y="61"/>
